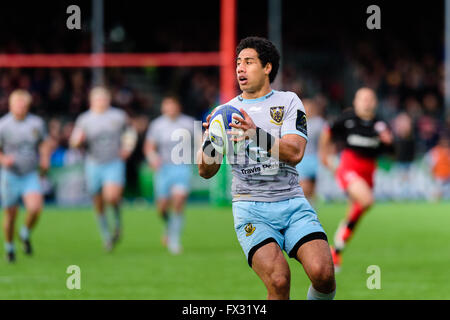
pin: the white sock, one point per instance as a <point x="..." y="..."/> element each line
<point x="103" y="224"/>
<point x="176" y="223"/>
<point x="313" y="294"/>
<point x="25" y="233"/>
<point x="9" y="247"/>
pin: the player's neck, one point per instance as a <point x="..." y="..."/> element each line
<point x="99" y="109"/>
<point x="19" y="117"/>
<point x="265" y="90"/>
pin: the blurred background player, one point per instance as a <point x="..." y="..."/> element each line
<point x="307" y="168"/>
<point x="439" y="160"/>
<point x="171" y="179"/>
<point x="110" y="141"/>
<point x="365" y="137"/>
<point x="24" y="146"/>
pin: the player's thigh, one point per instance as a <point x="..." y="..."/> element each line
<point x="315" y="256"/>
<point x="113" y="180"/>
<point x="252" y="231"/>
<point x="11" y="187"/>
<point x="112" y="192"/>
<point x="180" y="180"/>
<point x="33" y="201"/>
<point x="93" y="177"/>
<point x="32" y="192"/>
<point x="360" y="191"/>
<point x="270" y="264"/>
<point x="303" y="226"/>
<point x="162" y="183"/>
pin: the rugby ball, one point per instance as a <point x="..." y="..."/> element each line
<point x="219" y="126"/>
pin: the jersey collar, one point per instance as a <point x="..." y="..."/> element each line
<point x="267" y="96"/>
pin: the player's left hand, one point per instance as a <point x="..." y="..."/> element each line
<point x="44" y="165"/>
<point x="124" y="154"/>
<point x="246" y="127"/>
<point x="386" y="137"/>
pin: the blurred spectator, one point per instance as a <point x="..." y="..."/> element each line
<point x="439" y="158"/>
<point x="404" y="143"/>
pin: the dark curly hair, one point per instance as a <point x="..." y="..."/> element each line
<point x="267" y="52"/>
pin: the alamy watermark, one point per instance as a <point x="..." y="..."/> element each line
<point x="374" y="20"/>
<point x="374" y="280"/>
<point x="74" y="280"/>
<point x="74" y="20"/>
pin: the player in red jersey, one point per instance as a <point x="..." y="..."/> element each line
<point x="364" y="137"/>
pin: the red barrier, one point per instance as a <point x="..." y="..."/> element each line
<point x="175" y="59"/>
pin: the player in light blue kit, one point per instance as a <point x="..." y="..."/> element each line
<point x="110" y="140"/>
<point x="270" y="211"/>
<point x="172" y="179"/>
<point x="24" y="146"/>
<point x="309" y="166"/>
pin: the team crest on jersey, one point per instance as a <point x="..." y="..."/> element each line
<point x="277" y="113"/>
<point x="249" y="228"/>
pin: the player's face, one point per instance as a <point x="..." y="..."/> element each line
<point x="170" y="107"/>
<point x="99" y="100"/>
<point x="365" y="103"/>
<point x="251" y="75"/>
<point x="19" y="106"/>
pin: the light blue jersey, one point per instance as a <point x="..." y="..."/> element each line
<point x="20" y="139"/>
<point x="103" y="138"/>
<point x="168" y="135"/>
<point x="268" y="203"/>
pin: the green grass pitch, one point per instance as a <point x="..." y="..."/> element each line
<point x="410" y="242"/>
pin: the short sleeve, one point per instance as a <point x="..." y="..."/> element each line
<point x="295" y="119"/>
<point x="79" y="123"/>
<point x="151" y="133"/>
<point x="42" y="130"/>
<point x="337" y="128"/>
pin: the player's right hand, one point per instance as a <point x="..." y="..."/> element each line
<point x="154" y="162"/>
<point x="206" y="124"/>
<point x="7" y="161"/>
<point x="77" y="138"/>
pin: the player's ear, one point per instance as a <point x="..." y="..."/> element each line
<point x="268" y="68"/>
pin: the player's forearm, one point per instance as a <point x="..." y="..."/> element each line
<point x="128" y="140"/>
<point x="287" y="149"/>
<point x="288" y="152"/>
<point x="45" y="149"/>
<point x="208" y="166"/>
<point x="324" y="147"/>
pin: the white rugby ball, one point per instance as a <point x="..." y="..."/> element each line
<point x="218" y="127"/>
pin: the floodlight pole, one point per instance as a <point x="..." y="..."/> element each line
<point x="97" y="42"/>
<point x="276" y="35"/>
<point x="227" y="50"/>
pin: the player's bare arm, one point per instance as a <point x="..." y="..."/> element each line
<point x="128" y="141"/>
<point x="77" y="138"/>
<point x="208" y="165"/>
<point x="289" y="148"/>
<point x="326" y="154"/>
<point x="6" y="161"/>
<point x="151" y="154"/>
<point x="45" y="150"/>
